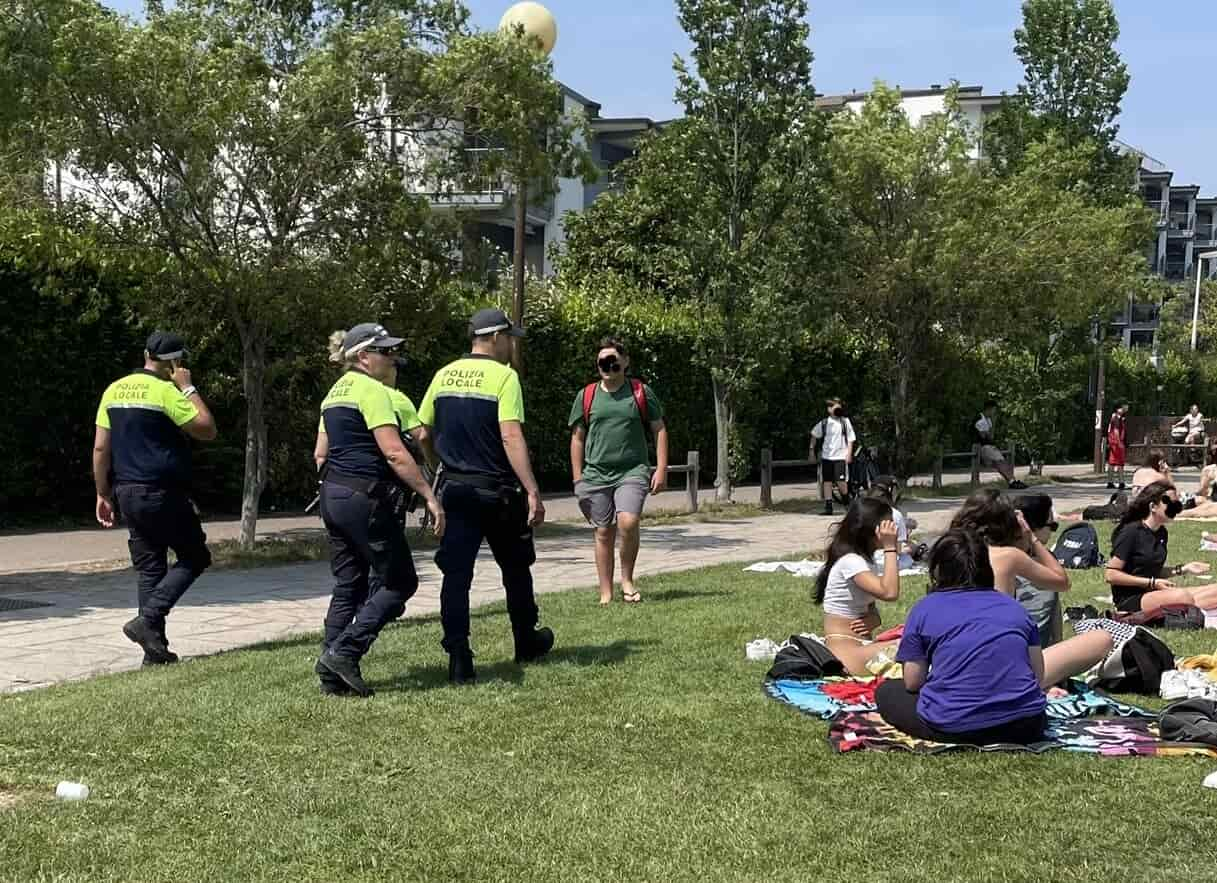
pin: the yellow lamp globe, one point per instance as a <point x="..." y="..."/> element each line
<point x="538" y="23"/>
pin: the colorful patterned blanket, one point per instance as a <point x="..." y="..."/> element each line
<point x="830" y="698"/>
<point x="1104" y="736"/>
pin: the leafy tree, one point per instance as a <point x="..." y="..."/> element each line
<point x="942" y="256"/>
<point x="724" y="210"/>
<point x="268" y="167"/>
<point x="1074" y="81"/>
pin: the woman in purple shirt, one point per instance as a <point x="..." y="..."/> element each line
<point x="971" y="655"/>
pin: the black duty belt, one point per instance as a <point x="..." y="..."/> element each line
<point x="479" y="480"/>
<point x="372" y="487"/>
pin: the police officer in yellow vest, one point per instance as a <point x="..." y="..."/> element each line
<point x="475" y="409"/>
<point x="141" y="456"/>
<point x="344" y="606"/>
<point x="366" y="468"/>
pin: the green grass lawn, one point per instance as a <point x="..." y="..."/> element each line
<point x="643" y="749"/>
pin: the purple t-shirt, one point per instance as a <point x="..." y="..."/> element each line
<point x="976" y="644"/>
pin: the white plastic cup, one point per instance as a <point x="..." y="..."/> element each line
<point x="71" y="791"/>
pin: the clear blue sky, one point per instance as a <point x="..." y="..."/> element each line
<point x="620" y="52"/>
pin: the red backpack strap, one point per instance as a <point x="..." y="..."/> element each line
<point x="640" y="399"/>
<point x="589" y="393"/>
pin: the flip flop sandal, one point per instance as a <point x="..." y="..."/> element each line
<point x="631" y="597"/>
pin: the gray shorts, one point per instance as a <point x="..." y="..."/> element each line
<point x="991" y="456"/>
<point x="601" y="503"/>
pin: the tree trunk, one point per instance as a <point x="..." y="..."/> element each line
<point x="900" y="402"/>
<point x="724" y="423"/>
<point x="254" y="381"/>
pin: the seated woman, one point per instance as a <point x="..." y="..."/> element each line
<point x="973" y="669"/>
<point x="1205" y="507"/>
<point x="887" y="489"/>
<point x="1023" y="566"/>
<point x="1155" y="467"/>
<point x="1137" y="571"/>
<point x="848" y="585"/>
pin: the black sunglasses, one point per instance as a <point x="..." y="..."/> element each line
<point x="609" y="364"/>
<point x="385" y="350"/>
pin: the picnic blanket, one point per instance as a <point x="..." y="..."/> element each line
<point x="1104" y="736"/>
<point x="830" y="698"/>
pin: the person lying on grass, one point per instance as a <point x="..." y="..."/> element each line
<point x="848" y="586"/>
<point x="1137" y="571"/>
<point x="973" y="668"/>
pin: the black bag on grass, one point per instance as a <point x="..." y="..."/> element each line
<point x="1112" y="510"/>
<point x="805" y="659"/>
<point x="1078" y="547"/>
<point x="1170" y="616"/>
<point x="1191" y="720"/>
<point x="1136" y="666"/>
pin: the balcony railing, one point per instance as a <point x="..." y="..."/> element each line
<point x="1144" y="314"/>
<point x="1181" y="222"/>
<point x="1177" y="269"/>
<point x="479" y="175"/>
<point x="1206" y="232"/>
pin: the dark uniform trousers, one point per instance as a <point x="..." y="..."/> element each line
<point x="373" y="569"/>
<point x="159" y="519"/>
<point x="501" y="518"/>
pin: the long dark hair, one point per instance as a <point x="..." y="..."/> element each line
<point x="960" y="560"/>
<point x="855" y="535"/>
<point x="991" y="516"/>
<point x="1138" y="510"/>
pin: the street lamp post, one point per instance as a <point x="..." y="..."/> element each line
<point x="539" y="25"/>
<point x="1200" y="259"/>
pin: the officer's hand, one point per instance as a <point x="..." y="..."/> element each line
<point x="105" y="512"/>
<point x="181" y="376"/>
<point x="536" y="510"/>
<point x="438" y="519"/>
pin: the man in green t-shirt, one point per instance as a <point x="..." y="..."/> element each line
<point x="610" y="462"/>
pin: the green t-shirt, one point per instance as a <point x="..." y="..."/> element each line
<point x="616" y="444"/>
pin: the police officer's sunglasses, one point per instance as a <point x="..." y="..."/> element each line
<point x="385" y="350"/>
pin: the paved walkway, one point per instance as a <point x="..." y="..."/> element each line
<point x="76" y="630"/>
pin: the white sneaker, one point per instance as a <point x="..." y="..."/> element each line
<point x="1174" y="685"/>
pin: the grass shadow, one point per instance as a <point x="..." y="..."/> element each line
<point x="432" y="677"/>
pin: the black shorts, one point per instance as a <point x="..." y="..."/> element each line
<point x="834" y="470"/>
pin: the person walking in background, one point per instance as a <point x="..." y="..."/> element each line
<point x="141" y="456"/>
<point x="990" y="454"/>
<point x="1116" y="450"/>
<point x="610" y="462"/>
<point x="832" y="446"/>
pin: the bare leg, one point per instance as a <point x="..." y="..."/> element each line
<point x="606" y="539"/>
<point x="628" y="525"/>
<point x="1074" y="656"/>
<point x="854" y="655"/>
<point x="843" y="489"/>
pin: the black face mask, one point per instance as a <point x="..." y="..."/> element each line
<point x="609" y="365"/>
<point x="1173" y="508"/>
<point x="838" y="412"/>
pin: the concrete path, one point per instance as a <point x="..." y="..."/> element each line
<point x="75" y="632"/>
<point x="57" y="550"/>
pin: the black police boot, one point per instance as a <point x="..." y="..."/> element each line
<point x="460" y="667"/>
<point x="346" y="669"/>
<point x="331" y="684"/>
<point x="147" y="636"/>
<point x="532" y="645"/>
<point x="827" y="507"/>
<point x="170" y="656"/>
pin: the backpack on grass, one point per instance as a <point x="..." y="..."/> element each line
<point x="1135" y="666"/>
<point x="1169" y="616"/>
<point x="805" y="659"/>
<point x="1078" y="547"/>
